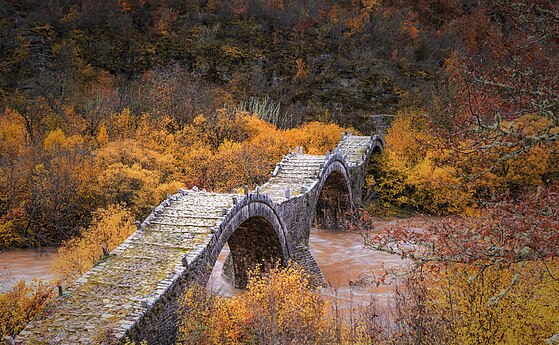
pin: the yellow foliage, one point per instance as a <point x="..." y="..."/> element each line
<point x="196" y="163"/>
<point x="315" y="137"/>
<point x="138" y="176"/>
<point x="109" y="228"/>
<point x="494" y="305"/>
<point x="13" y="136"/>
<point x="129" y="342"/>
<point x="20" y="305"/>
<point x="8" y="236"/>
<point x="221" y="156"/>
<point x="226" y="166"/>
<point x="528" y="168"/>
<point x="370" y="5"/>
<point x="255" y="126"/>
<point x="416" y="172"/>
<point x="121" y="125"/>
<point x="153" y="133"/>
<point x="280" y="305"/>
<point x="135" y="160"/>
<point x="501" y="170"/>
<point x="57" y="140"/>
<point x="132" y="185"/>
<point x="102" y="136"/>
<point x="130" y="152"/>
<point x="233" y="52"/>
<point x="215" y="130"/>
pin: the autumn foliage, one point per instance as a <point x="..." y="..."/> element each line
<point x="21" y="304"/>
<point x="415" y="170"/>
<point x="283" y="306"/>
<point x="507" y="231"/>
<point x="423" y="170"/>
<point x="109" y="228"/>
<point x="49" y="191"/>
<point x="462" y="304"/>
<point x="489" y="278"/>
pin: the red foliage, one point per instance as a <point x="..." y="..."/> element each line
<point x="513" y="73"/>
<point x="505" y="232"/>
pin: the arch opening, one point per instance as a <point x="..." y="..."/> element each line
<point x="333" y="203"/>
<point x="253" y="244"/>
<point x="372" y="175"/>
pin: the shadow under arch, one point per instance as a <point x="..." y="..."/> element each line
<point x="254" y="244"/>
<point x="371" y="174"/>
<point x="256" y="235"/>
<point x="334" y="198"/>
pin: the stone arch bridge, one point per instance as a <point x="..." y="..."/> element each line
<point x="133" y="292"/>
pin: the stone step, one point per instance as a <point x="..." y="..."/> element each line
<point x="301" y="168"/>
<point x="295" y="174"/>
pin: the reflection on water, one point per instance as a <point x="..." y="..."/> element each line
<point x="25" y="264"/>
<point x="347" y="266"/>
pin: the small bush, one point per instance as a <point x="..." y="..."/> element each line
<point x="110" y="227"/>
<point x="19" y="305"/>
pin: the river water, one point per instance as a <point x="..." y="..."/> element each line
<point x="345" y="262"/>
<point x="25" y="264"/>
<point x="347" y="265"/>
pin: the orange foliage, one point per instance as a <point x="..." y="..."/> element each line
<point x="20" y="305"/>
<point x="248" y="149"/>
<point x="416" y="172"/>
<point x="134" y="160"/>
<point x="409" y="29"/>
<point x="121" y="125"/>
<point x="57" y="141"/>
<point x="281" y="305"/>
<point x="141" y="159"/>
<point x="13" y="137"/>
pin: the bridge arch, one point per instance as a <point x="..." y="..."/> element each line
<point x="334" y="195"/>
<point x="376" y="147"/>
<point x="256" y="235"/>
<point x="370" y="168"/>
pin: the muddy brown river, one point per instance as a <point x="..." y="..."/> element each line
<point x="342" y="257"/>
<point x="347" y="266"/>
<point x="25" y="264"/>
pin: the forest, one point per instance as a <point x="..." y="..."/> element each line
<point x="106" y="106"/>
